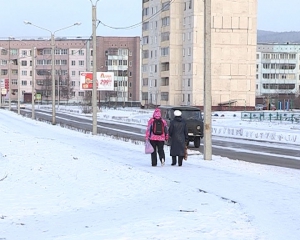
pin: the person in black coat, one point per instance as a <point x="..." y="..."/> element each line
<point x="178" y="135"/>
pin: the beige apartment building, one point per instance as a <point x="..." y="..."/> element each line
<point x="173" y="48"/>
<point x="120" y="55"/>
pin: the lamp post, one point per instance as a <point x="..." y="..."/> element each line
<point x="52" y="61"/>
<point x="9" y="76"/>
<point x="94" y="91"/>
<point x="33" y="84"/>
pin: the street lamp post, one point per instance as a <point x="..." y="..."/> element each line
<point x="33" y="84"/>
<point x="94" y="91"/>
<point x="19" y="83"/>
<point x="53" y="63"/>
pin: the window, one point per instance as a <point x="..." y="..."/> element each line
<point x="165" y="51"/>
<point x="189" y="82"/>
<point x="24" y="83"/>
<point x="165" y="6"/>
<point x="73" y="73"/>
<point x="81" y="52"/>
<point x="144" y="95"/>
<point x="13" y="51"/>
<point x="165" y="21"/>
<point x="146" y="40"/>
<point x="165" y="81"/>
<point x="165" y="36"/>
<point x="165" y="66"/>
<point x="4" y="71"/>
<point x="164" y="96"/>
<point x="81" y="63"/>
<point x="145" y="26"/>
<point x="24" y="73"/>
<point x="144" y="67"/>
<point x="145" y="53"/>
<point x="145" y="11"/>
<point x="23" y="63"/>
<point x="3" y="62"/>
<point x="4" y="52"/>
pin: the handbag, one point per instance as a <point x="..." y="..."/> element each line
<point x="148" y="147"/>
<point x="185" y="153"/>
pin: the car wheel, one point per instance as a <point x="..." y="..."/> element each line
<point x="197" y="142"/>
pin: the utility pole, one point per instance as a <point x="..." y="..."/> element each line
<point x="207" y="81"/>
<point x="9" y="76"/>
<point x="94" y="91"/>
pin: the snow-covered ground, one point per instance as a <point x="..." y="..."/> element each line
<point x="62" y="184"/>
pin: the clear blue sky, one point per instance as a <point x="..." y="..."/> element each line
<point x="273" y="15"/>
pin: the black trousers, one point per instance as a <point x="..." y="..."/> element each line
<point x="174" y="160"/>
<point x="158" y="148"/>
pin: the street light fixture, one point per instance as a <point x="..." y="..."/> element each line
<point x="53" y="59"/>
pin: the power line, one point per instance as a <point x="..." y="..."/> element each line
<point x="139" y="23"/>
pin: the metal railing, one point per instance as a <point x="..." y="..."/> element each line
<point x="271" y="116"/>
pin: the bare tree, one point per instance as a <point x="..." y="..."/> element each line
<point x="65" y="88"/>
<point x="87" y="102"/>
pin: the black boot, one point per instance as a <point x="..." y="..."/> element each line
<point x="180" y="158"/>
<point x="174" y="161"/>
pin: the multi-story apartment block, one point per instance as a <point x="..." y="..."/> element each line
<point x="278" y="72"/>
<point x="173" y="48"/>
<point x="72" y="56"/>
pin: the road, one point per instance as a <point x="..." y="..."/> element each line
<point x="275" y="154"/>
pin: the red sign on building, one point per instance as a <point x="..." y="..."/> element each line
<point x="6" y="84"/>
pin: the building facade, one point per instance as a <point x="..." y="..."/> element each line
<point x="72" y="56"/>
<point x="278" y="71"/>
<point x="173" y="47"/>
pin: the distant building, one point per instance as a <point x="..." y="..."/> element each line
<point x="173" y="48"/>
<point x="72" y="56"/>
<point x="278" y="73"/>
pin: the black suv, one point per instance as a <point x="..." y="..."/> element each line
<point x="193" y="118"/>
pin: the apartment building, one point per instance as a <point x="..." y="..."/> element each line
<point x="72" y="56"/>
<point x="277" y="70"/>
<point x="173" y="48"/>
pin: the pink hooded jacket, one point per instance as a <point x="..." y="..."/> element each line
<point x="150" y="135"/>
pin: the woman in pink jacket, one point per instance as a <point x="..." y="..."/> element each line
<point x="157" y="133"/>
